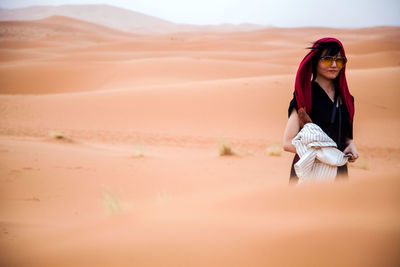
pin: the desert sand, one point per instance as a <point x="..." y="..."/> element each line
<point x="109" y="149"/>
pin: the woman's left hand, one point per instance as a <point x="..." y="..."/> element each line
<point x="351" y="148"/>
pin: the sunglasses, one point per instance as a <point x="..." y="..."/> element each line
<point x="328" y="61"/>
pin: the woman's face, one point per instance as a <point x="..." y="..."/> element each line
<point x="329" y="69"/>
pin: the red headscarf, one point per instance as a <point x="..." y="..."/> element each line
<point x="303" y="80"/>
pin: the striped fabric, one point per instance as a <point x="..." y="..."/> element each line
<point x="319" y="157"/>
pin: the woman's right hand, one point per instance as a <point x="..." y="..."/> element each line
<point x="351" y="149"/>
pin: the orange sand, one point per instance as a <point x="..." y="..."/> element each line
<point x="138" y="181"/>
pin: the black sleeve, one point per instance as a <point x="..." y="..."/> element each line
<point x="350" y="133"/>
<point x="293" y="104"/>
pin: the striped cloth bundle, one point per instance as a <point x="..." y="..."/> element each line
<point x="319" y="156"/>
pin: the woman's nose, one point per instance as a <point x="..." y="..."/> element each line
<point x="333" y="63"/>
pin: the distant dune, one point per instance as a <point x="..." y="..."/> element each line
<point x="115" y="17"/>
<point x="56" y="26"/>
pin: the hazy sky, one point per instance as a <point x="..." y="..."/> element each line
<point x="281" y="13"/>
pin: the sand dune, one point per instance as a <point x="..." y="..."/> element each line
<point x="116" y="18"/>
<point x="57" y="28"/>
<point x="239" y="212"/>
<point x="106" y="15"/>
<point x="50" y="53"/>
<point x="109" y="150"/>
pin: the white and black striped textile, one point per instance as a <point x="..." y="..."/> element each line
<point x="319" y="156"/>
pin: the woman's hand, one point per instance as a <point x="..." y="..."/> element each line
<point x="351" y="148"/>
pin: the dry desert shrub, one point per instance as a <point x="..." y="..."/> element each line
<point x="225" y="148"/>
<point x="111" y="204"/>
<point x="139" y="151"/>
<point x="361" y="163"/>
<point x="274" y="150"/>
<point x="59" y="136"/>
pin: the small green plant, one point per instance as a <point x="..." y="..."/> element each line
<point x="225" y="148"/>
<point x="274" y="150"/>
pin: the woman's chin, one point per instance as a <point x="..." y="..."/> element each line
<point x="331" y="76"/>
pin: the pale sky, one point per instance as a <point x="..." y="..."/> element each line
<point x="280" y="13"/>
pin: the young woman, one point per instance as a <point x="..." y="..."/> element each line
<point x="321" y="90"/>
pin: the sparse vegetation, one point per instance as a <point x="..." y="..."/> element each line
<point x="139" y="151"/>
<point x="59" y="136"/>
<point x="274" y="150"/>
<point x="361" y="163"/>
<point x="111" y="204"/>
<point x="225" y="148"/>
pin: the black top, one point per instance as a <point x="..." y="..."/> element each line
<point x="321" y="113"/>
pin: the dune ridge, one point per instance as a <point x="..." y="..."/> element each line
<point x="116" y="18"/>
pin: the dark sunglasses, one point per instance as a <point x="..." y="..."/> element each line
<point x="328" y="61"/>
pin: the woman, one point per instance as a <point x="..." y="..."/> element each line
<point x="321" y="90"/>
